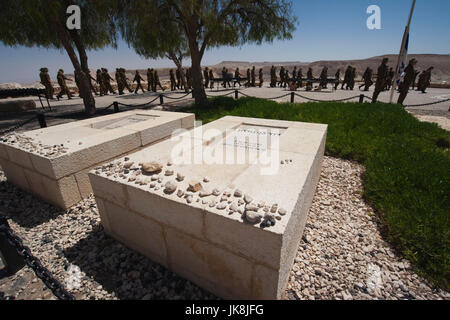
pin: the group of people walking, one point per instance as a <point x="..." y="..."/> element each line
<point x="103" y="80"/>
<point x="408" y="79"/>
<point x="182" y="79"/>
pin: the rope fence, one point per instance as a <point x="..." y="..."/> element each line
<point x="426" y="104"/>
<point x="17" y="126"/>
<point x="116" y="105"/>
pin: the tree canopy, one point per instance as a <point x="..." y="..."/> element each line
<point x="27" y="23"/>
<point x="153" y="27"/>
<point x="42" y="23"/>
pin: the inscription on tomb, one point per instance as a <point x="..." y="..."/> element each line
<point x="253" y="137"/>
<point x="123" y="122"/>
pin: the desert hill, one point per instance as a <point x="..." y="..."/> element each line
<point x="441" y="64"/>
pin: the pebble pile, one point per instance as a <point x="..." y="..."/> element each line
<point x="157" y="177"/>
<point x="342" y="254"/>
<point x="28" y="144"/>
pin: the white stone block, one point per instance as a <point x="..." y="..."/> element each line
<point x="210" y="245"/>
<point x="65" y="153"/>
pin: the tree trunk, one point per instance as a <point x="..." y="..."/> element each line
<point x="197" y="82"/>
<point x="83" y="78"/>
<point x="83" y="57"/>
<point x="81" y="50"/>
<point x="179" y="64"/>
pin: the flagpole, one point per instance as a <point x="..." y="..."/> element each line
<point x="402" y="48"/>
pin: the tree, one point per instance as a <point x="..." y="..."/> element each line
<point x="142" y="31"/>
<point x="205" y="24"/>
<point x="42" y="23"/>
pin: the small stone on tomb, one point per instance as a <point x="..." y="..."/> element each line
<point x="195" y="186"/>
<point x="157" y="188"/>
<point x="216" y="192"/>
<point x="189" y="199"/>
<point x="278" y="217"/>
<point x="152" y="185"/>
<point x="204" y="193"/>
<point x="241" y="202"/>
<point x="248" y="199"/>
<point x="206" y="179"/>
<point x="250" y="207"/>
<point x="223" y="199"/>
<point x="281" y="212"/>
<point x="282" y="162"/>
<point x="212" y="204"/>
<point x="169" y="173"/>
<point x="170" y="187"/>
<point x="274" y="208"/>
<point x="180" y="177"/>
<point x="169" y="163"/>
<point x="152" y="167"/>
<point x="252" y="217"/>
<point x="270" y="218"/>
<point x="126" y="158"/>
<point x="221" y="206"/>
<point x="238" y="193"/>
<point x="180" y="193"/>
<point x="261" y="204"/>
<point x="234" y="207"/>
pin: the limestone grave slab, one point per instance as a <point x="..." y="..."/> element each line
<point x="227" y="207"/>
<point x="53" y="163"/>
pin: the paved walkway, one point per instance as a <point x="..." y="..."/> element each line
<point x="76" y="104"/>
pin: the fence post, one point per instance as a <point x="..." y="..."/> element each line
<point x="236" y="94"/>
<point x="116" y="107"/>
<point x="292" y="97"/>
<point x="161" y="99"/>
<point x="361" y="98"/>
<point x="41" y="119"/>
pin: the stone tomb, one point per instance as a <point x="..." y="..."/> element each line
<point x="216" y="205"/>
<point x="53" y="163"/>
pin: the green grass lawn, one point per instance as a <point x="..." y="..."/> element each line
<point x="407" y="178"/>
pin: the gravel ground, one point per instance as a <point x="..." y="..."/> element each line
<point x="341" y="256"/>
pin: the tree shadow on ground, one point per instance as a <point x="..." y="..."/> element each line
<point x="25" y="209"/>
<point x="128" y="274"/>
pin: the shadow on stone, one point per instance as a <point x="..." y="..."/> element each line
<point x="128" y="274"/>
<point x="25" y="209"/>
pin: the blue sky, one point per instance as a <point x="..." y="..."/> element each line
<point x="327" y="30"/>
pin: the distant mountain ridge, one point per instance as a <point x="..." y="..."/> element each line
<point x="440" y="62"/>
